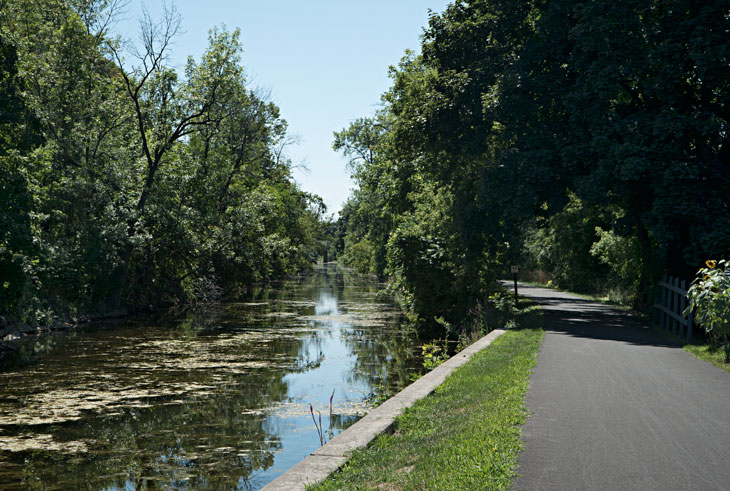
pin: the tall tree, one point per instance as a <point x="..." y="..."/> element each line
<point x="127" y="184"/>
<point x="609" y="114"/>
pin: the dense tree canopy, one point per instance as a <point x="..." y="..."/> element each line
<point x="585" y="139"/>
<point x="127" y="184"/>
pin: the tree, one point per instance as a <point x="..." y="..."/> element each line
<point x="516" y="111"/>
<point x="164" y="112"/>
<point x="18" y="135"/>
<point x="70" y="88"/>
<point x="370" y="214"/>
<point x="128" y="184"/>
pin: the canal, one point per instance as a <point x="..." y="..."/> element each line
<point x="213" y="400"/>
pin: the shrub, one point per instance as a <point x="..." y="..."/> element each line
<point x="709" y="298"/>
<point x="434" y="354"/>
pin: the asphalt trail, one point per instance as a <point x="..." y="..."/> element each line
<point x="616" y="406"/>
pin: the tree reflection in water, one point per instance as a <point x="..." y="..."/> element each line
<point x="209" y="401"/>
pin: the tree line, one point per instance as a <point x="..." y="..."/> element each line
<point x="125" y="184"/>
<point x="584" y="141"/>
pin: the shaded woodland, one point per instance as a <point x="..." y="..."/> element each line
<point x="586" y="142"/>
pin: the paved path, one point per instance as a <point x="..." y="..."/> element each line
<point x="615" y="406"/>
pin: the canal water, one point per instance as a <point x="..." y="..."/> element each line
<point x="218" y="400"/>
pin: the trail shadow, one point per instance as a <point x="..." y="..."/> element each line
<point x="613" y="327"/>
<point x="589" y="319"/>
<point x="555" y="300"/>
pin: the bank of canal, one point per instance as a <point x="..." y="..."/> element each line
<point x="213" y="401"/>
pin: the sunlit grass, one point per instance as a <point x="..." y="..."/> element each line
<point x="709" y="354"/>
<point x="466" y="435"/>
<point x="699" y="348"/>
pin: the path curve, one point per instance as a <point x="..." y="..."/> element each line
<point x="615" y="405"/>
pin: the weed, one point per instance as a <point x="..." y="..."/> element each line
<point x="434" y="354"/>
<point x="318" y="427"/>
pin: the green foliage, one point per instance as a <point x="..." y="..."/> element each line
<point x="621" y="255"/>
<point x="359" y="255"/>
<point x="124" y="184"/>
<point x="420" y="269"/>
<point x="709" y="299"/>
<point x="434" y="354"/>
<point x="367" y="218"/>
<point x="561" y="245"/>
<point x="579" y="250"/>
<point x="16" y="240"/>
<point x="570" y="135"/>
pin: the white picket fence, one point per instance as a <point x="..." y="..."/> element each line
<point x="669" y="303"/>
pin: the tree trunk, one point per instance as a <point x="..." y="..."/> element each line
<point x="647" y="267"/>
<point x="119" y="279"/>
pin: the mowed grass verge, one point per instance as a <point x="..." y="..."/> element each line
<point x="466" y="435"/>
<point x="705" y="352"/>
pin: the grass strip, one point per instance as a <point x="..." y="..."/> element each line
<point x="708" y="353"/>
<point x="698" y="347"/>
<point x="466" y="435"/>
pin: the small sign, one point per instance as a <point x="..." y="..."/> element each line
<point x="515" y="269"/>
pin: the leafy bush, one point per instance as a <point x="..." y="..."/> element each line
<point x="421" y="275"/>
<point x="621" y="254"/>
<point x="434" y="354"/>
<point x="494" y="312"/>
<point x="709" y="298"/>
<point x="359" y="256"/>
<point x="561" y="246"/>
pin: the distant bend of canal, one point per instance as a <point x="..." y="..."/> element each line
<point x="218" y="400"/>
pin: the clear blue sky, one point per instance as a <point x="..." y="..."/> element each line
<point x="324" y="61"/>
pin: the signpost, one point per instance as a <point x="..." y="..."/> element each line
<point x="515" y="269"/>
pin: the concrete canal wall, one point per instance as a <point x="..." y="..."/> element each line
<point x="335" y="453"/>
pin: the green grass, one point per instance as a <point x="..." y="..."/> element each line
<point x="709" y="354"/>
<point x="466" y="435"/>
<point x="527" y="307"/>
<point x="699" y="349"/>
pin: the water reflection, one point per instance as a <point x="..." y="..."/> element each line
<point x="326" y="303"/>
<point x="214" y="401"/>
